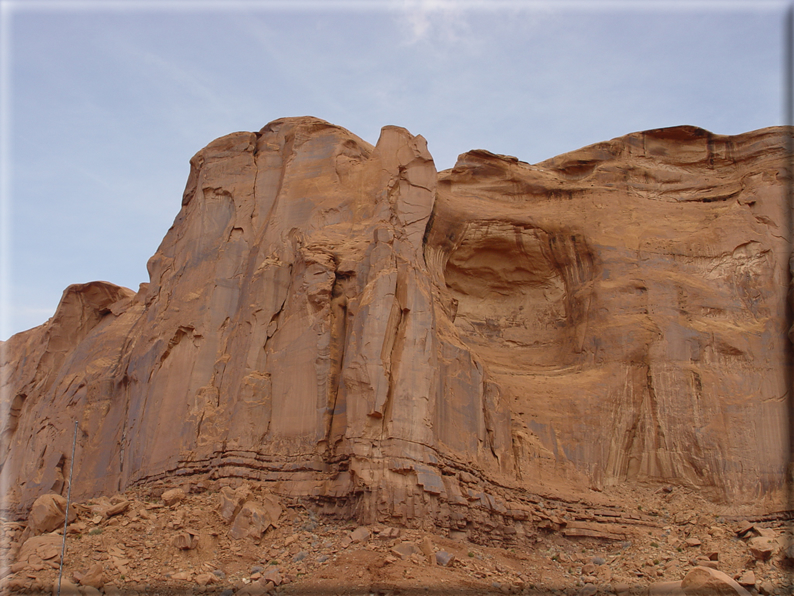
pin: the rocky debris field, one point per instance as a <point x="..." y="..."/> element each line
<point x="232" y="538"/>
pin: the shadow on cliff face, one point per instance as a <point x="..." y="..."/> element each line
<point x="627" y="300"/>
<point x="521" y="294"/>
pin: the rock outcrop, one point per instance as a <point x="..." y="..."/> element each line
<point x="346" y="325"/>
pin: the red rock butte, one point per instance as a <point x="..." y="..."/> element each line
<point x="352" y="328"/>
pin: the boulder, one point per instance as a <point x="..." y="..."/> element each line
<point x="252" y="521"/>
<point x="444" y="558"/>
<point x="231" y="501"/>
<point x="48" y="513"/>
<point x="173" y="496"/>
<point x="117" y="509"/>
<point x="761" y="547"/>
<point x="93" y="577"/>
<point x="704" y="581"/>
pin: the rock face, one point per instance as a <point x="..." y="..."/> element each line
<point x="344" y="323"/>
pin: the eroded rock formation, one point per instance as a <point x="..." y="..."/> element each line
<point x="344" y="323"/>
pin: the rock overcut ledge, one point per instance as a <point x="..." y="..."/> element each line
<point x="349" y="326"/>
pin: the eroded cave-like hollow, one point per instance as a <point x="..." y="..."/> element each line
<point x="514" y="295"/>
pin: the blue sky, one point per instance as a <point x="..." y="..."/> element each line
<point x="104" y="102"/>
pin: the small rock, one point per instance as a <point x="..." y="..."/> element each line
<point x="360" y="534"/>
<point x="604" y="574"/>
<point x="426" y="546"/>
<point x="272" y="574"/>
<point x="48" y="551"/>
<point x="693" y="542"/>
<point x="94" y="577"/>
<point x="389" y="533"/>
<point x="227" y="592"/>
<point x="747" y="579"/>
<point x="588" y="590"/>
<point x="254" y="589"/>
<point x="182" y="576"/>
<point x="185" y="541"/>
<point x="219" y="574"/>
<point x="322" y="558"/>
<point x="743" y="528"/>
<point x="88" y="591"/>
<point x="597" y="561"/>
<point x="444" y="558"/>
<point x="588" y="569"/>
<point x="767" y="588"/>
<point x="762" y="548"/>
<point x="621" y="588"/>
<point x="405" y="549"/>
<point x="704" y="581"/>
<point x="300" y="556"/>
<point x="204" y="579"/>
<point x="117" y="509"/>
<point x="173" y="496"/>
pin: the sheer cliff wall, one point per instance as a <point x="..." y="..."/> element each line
<point x="350" y="326"/>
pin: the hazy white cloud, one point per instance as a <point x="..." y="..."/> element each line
<point x="438" y="22"/>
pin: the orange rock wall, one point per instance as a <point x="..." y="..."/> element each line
<point x="344" y="323"/>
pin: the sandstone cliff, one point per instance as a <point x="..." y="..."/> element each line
<point x="349" y="326"/>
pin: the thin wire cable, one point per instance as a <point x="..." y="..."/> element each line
<point x="66" y="517"/>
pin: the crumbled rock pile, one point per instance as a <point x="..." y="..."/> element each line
<point x="190" y="539"/>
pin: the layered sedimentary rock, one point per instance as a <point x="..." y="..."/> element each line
<point x="349" y="326"/>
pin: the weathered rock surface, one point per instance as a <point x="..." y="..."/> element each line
<point x="48" y="513"/>
<point x="344" y="324"/>
<point x="703" y="581"/>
